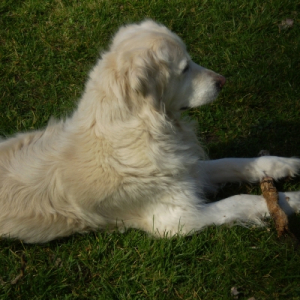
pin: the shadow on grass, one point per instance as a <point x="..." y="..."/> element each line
<point x="281" y="138"/>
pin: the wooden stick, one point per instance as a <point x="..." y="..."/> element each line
<point x="270" y="194"/>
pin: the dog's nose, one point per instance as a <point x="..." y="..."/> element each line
<point x="220" y="81"/>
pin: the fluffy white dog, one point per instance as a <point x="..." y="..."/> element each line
<point x="125" y="159"/>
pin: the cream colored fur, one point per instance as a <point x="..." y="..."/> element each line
<point x="125" y="158"/>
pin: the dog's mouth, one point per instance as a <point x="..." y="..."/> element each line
<point x="184" y="108"/>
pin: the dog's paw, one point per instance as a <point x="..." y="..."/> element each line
<point x="277" y="167"/>
<point x="290" y="202"/>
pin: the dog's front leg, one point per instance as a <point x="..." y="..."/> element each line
<point x="248" y="169"/>
<point x="248" y="208"/>
<point x="168" y="219"/>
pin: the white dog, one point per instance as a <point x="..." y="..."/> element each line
<point x="125" y="159"/>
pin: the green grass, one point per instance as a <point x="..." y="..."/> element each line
<point x="46" y="50"/>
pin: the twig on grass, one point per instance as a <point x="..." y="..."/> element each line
<point x="22" y="270"/>
<point x="271" y="196"/>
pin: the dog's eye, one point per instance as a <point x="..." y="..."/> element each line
<point x="187" y="67"/>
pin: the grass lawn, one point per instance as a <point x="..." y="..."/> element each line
<point x="46" y="49"/>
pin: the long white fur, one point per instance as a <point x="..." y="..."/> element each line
<point x="125" y="159"/>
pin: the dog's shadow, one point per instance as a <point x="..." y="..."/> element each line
<point x="281" y="138"/>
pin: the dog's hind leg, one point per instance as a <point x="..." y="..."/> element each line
<point x="249" y="169"/>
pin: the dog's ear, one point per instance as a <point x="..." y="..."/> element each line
<point x="147" y="76"/>
<point x="136" y="77"/>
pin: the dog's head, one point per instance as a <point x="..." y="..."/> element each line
<point x="149" y="64"/>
